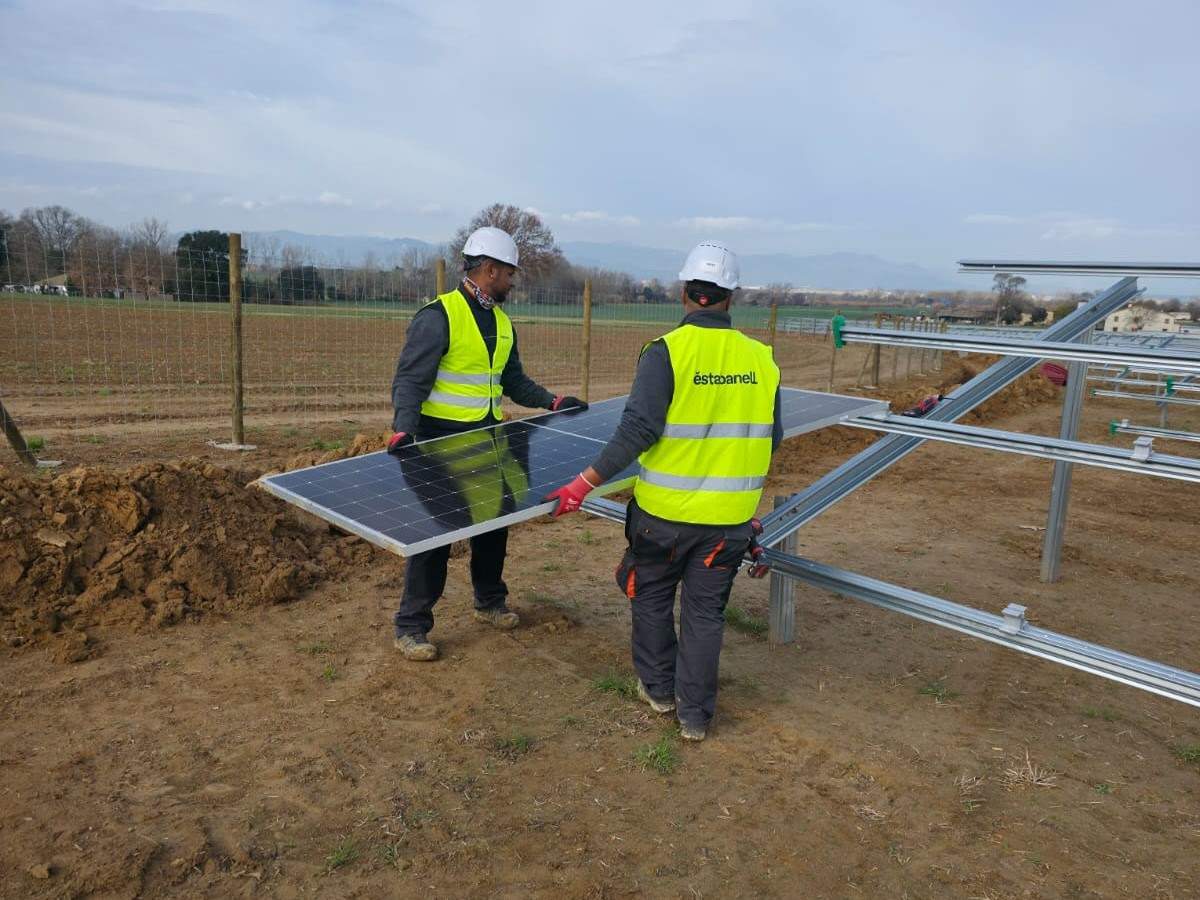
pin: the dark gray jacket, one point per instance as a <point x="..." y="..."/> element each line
<point x="645" y="413"/>
<point x="427" y="341"/>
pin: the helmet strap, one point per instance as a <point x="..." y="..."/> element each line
<point x="484" y="299"/>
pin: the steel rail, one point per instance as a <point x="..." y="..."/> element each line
<point x="1140" y="461"/>
<point x="1155" y="360"/>
<point x="1038" y="267"/>
<point x="1008" y="629"/>
<point x="1167" y="434"/>
<point x="1157" y="398"/>
<point x="1188" y="386"/>
<point x="809" y="503"/>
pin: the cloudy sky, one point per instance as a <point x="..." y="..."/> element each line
<point x="919" y="131"/>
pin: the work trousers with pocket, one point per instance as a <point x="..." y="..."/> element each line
<point x="705" y="558"/>
<point x="425" y="580"/>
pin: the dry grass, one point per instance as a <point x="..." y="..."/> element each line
<point x="1029" y="775"/>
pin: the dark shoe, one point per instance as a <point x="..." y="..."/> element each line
<point x="659" y="706"/>
<point x="498" y="617"/>
<point x="416" y="647"/>
<point x="693" y="732"/>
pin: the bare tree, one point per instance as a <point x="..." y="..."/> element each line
<point x="151" y="233"/>
<point x="540" y="255"/>
<point x="57" y="228"/>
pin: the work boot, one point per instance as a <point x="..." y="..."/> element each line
<point x="416" y="647"/>
<point x="498" y="617"/>
<point x="692" y="732"/>
<point x="659" y="706"/>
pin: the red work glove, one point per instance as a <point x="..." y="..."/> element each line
<point x="570" y="496"/>
<point x="398" y="440"/>
<point x="567" y="402"/>
<point x="758" y="566"/>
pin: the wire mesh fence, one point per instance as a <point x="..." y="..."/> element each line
<point x="117" y="338"/>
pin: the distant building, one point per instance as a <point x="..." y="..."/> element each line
<point x="1143" y="318"/>
<point x="967" y="317"/>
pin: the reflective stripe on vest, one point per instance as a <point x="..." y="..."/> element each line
<point x="710" y="464"/>
<point x="473" y="459"/>
<point x="467" y="384"/>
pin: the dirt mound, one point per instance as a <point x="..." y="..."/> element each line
<point x="1025" y="393"/>
<point x="362" y="443"/>
<point x="148" y="547"/>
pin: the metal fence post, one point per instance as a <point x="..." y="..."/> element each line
<point x="439" y="274"/>
<point x="586" y="376"/>
<point x="235" y="312"/>
<point x="772" y="323"/>
<point x="13" y="433"/>
<point x="878" y="352"/>
<point x="1060" y="485"/>
<point x="781" y="616"/>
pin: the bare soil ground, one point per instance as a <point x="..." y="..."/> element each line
<point x="199" y="698"/>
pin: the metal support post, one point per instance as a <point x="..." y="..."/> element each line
<point x="235" y="312"/>
<point x="586" y="375"/>
<point x="772" y="324"/>
<point x="878" y="351"/>
<point x="782" y="613"/>
<point x="1060" y="484"/>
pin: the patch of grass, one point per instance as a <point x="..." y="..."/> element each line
<point x="319" y="444"/>
<point x="662" y="756"/>
<point x="1029" y="775"/>
<point x="1188" y="753"/>
<point x="105" y="392"/>
<point x="1102" y="712"/>
<point x="572" y="721"/>
<point x="747" y="623"/>
<point x="586" y="537"/>
<point x="1104" y="788"/>
<point x="329" y="673"/>
<point x="613" y="683"/>
<point x="938" y="691"/>
<point x="342" y="855"/>
<point x="514" y="746"/>
<point x="316" y="648"/>
<point x="36" y="443"/>
<point x="94" y="439"/>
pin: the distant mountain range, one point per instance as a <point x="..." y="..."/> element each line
<point x="832" y="271"/>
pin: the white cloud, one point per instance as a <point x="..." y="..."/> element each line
<point x="993" y="219"/>
<point x="430" y="209"/>
<point x="601" y="217"/>
<point x="330" y="198"/>
<point x="750" y="223"/>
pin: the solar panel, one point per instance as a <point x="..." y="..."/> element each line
<point x="439" y="491"/>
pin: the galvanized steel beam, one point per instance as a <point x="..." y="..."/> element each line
<point x="1046" y="267"/>
<point x="852" y="474"/>
<point x="1009" y="629"/>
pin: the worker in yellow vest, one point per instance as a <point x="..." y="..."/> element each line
<point x="703" y="419"/>
<point x="459" y="358"/>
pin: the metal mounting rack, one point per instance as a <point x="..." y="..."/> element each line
<point x="1039" y="267"/>
<point x="1142" y="460"/>
<point x="1167" y="434"/>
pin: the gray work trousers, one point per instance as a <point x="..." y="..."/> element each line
<point x="705" y="558"/>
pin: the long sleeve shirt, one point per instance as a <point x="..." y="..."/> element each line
<point x="645" y="414"/>
<point x="427" y="341"/>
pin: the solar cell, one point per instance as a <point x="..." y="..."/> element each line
<point x="439" y="491"/>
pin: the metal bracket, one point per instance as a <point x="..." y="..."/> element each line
<point x="1014" y="618"/>
<point x="1142" y="448"/>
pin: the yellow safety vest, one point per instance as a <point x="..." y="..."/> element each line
<point x="468" y="383"/>
<point x="709" y="466"/>
<point x="484" y="470"/>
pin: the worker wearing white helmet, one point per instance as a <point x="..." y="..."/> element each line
<point x="703" y="419"/>
<point x="459" y="359"/>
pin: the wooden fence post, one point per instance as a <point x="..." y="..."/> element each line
<point x="235" y="312"/>
<point x="439" y="272"/>
<point x="878" y="353"/>
<point x="772" y="323"/>
<point x="13" y="433"/>
<point x="586" y="376"/>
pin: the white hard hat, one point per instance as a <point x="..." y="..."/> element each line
<point x="712" y="262"/>
<point x="492" y="242"/>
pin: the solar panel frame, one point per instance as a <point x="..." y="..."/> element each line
<point x="576" y="446"/>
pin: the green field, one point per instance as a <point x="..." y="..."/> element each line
<point x="520" y="310"/>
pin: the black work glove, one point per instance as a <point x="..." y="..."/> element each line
<point x="567" y="402"/>
<point x="398" y="440"/>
